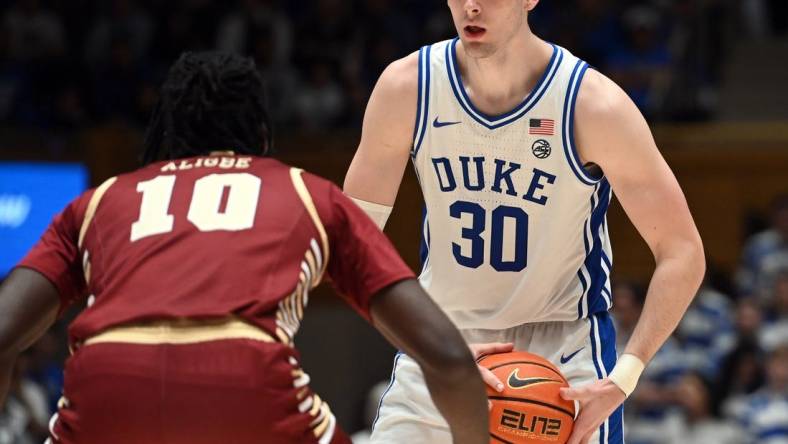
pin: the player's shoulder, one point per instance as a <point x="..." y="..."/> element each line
<point x="401" y="76"/>
<point x="600" y="97"/>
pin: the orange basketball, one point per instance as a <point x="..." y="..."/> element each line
<point x="530" y="409"/>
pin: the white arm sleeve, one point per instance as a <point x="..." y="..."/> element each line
<point x="377" y="212"/>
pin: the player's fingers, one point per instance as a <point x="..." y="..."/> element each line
<point x="581" y="433"/>
<point x="491" y="348"/>
<point x="490" y="379"/>
<point x="574" y="393"/>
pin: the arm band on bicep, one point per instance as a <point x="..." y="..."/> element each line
<point x="626" y="373"/>
<point x="377" y="212"/>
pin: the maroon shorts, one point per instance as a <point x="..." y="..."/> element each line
<point x="234" y="391"/>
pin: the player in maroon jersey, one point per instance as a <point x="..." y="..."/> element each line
<point x="198" y="268"/>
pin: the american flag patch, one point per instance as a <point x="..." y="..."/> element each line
<point x="545" y="127"/>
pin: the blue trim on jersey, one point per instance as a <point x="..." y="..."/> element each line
<point x="593" y="262"/>
<point x="493" y="122"/>
<point x="604" y="357"/>
<point x="568" y="125"/>
<point x="424" y="246"/>
<point x="582" y="305"/>
<point x="417" y="124"/>
<point x="773" y="432"/>
<point x="391" y="384"/>
<point x="607" y="337"/>
<point x="422" y="115"/>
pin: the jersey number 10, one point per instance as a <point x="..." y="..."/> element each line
<point x="478" y="225"/>
<point x="205" y="209"/>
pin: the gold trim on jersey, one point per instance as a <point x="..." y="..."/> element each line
<point x="306" y="198"/>
<point x="184" y="331"/>
<point x="291" y="309"/>
<point x="323" y="422"/>
<point x="92" y="206"/>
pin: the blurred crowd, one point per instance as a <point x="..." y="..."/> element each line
<point x="67" y="64"/>
<point x="723" y="376"/>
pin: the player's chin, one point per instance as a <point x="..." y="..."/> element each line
<point x="478" y="49"/>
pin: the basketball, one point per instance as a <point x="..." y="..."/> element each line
<point x="530" y="409"/>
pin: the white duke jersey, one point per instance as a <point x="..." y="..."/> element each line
<point x="515" y="227"/>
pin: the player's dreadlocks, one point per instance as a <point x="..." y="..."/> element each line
<point x="210" y="101"/>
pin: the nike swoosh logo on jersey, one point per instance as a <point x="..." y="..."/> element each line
<point x="438" y="124"/>
<point x="565" y="359"/>
<point x="516" y="382"/>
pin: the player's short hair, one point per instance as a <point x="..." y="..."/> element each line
<point x="210" y="101"/>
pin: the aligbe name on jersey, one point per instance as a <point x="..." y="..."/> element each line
<point x="476" y="173"/>
<point x="225" y="163"/>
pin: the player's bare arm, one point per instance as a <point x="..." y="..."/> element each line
<point x="449" y="368"/>
<point x="376" y="171"/>
<point x="29" y="303"/>
<point x="651" y="197"/>
<point x="386" y="136"/>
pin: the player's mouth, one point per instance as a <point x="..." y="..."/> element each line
<point x="474" y="32"/>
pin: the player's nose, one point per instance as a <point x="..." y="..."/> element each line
<point x="472" y="8"/>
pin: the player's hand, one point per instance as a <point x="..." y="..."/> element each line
<point x="597" y="402"/>
<point x="480" y="350"/>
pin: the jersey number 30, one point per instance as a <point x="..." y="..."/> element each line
<point x="219" y="202"/>
<point x="478" y="225"/>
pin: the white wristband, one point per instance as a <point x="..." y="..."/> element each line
<point x="626" y="373"/>
<point x="377" y="212"/>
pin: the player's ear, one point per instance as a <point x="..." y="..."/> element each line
<point x="530" y="4"/>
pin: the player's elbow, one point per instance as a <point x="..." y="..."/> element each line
<point x="697" y="259"/>
<point x="689" y="259"/>
<point x="454" y="363"/>
<point x="9" y="347"/>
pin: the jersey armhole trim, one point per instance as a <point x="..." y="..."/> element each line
<point x="306" y="198"/>
<point x="423" y="104"/>
<point x="568" y="127"/>
<point x="90" y="212"/>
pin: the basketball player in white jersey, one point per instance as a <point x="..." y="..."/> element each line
<point x="518" y="146"/>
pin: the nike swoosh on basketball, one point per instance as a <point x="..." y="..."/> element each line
<point x="438" y="124"/>
<point x="516" y="382"/>
<point x="565" y="359"/>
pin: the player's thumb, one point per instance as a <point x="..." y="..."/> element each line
<point x="572" y="394"/>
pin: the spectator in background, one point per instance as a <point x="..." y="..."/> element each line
<point x="699" y="421"/>
<point x="320" y="101"/>
<point x="706" y="331"/>
<point x="649" y="407"/>
<point x="25" y="417"/>
<point x="776" y="329"/>
<point x="241" y="28"/>
<point x="765" y="253"/>
<point x="117" y="84"/>
<point x="35" y="33"/>
<point x="120" y="18"/>
<point x="14" y="82"/>
<point x="741" y="371"/>
<point x="629" y="299"/>
<point x="281" y="77"/>
<point x="593" y="30"/>
<point x="765" y="417"/>
<point x="642" y="66"/>
<point x="328" y="32"/>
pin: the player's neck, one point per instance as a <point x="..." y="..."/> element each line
<point x="498" y="83"/>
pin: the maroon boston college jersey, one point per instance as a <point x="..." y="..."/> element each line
<point x="212" y="236"/>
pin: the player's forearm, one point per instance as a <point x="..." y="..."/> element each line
<point x="459" y="395"/>
<point x="6" y="369"/>
<point x="675" y="282"/>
